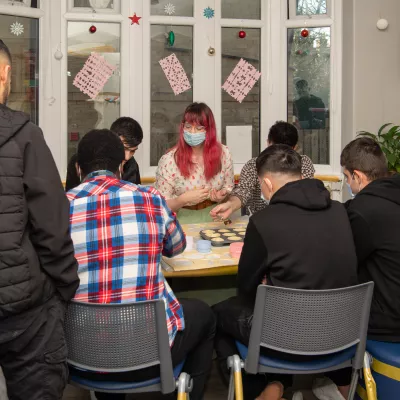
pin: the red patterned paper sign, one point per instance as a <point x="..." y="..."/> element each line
<point x="94" y="75"/>
<point x="241" y="80"/>
<point x="175" y="74"/>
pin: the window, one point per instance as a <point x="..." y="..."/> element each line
<point x="24" y="48"/>
<point x="239" y="9"/>
<point x="310" y="7"/>
<point x="309" y="90"/>
<point x="248" y="112"/>
<point x="84" y="113"/>
<point x="180" y="8"/>
<point x="98" y="6"/>
<point x="166" y="108"/>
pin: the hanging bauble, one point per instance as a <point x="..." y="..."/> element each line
<point x="242" y="34"/>
<point x="92" y="29"/>
<point x="171" y="38"/>
<point x="304" y="32"/>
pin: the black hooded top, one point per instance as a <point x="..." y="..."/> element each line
<point x="375" y="220"/>
<point x="302" y="240"/>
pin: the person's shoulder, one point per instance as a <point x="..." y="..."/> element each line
<point x="306" y="160"/>
<point x="167" y="158"/>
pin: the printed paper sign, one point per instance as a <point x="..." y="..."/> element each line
<point x="175" y="74"/>
<point x="241" y="80"/>
<point x="94" y="75"/>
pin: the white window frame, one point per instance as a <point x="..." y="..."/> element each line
<point x="335" y="22"/>
<point x="293" y="15"/>
<point x="88" y="10"/>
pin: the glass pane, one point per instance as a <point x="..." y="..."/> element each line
<point x="97" y="4"/>
<point x="26" y="3"/>
<point x="180" y="8"/>
<point x="310" y="7"/>
<point x="84" y="113"/>
<point x="309" y="90"/>
<point x="24" y="49"/>
<point x="241" y="9"/>
<point x="166" y="108"/>
<point x="247" y="112"/>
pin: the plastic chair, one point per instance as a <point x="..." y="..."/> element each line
<point x="329" y="325"/>
<point x="109" y="338"/>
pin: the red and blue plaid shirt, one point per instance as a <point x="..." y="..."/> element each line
<point x="120" y="231"/>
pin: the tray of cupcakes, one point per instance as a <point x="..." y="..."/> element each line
<point x="223" y="237"/>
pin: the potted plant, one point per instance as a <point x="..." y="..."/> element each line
<point x="390" y="144"/>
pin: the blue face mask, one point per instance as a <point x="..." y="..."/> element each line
<point x="350" y="191"/>
<point x="194" y="139"/>
<point x="264" y="199"/>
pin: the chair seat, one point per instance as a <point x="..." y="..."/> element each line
<point x="111" y="385"/>
<point x="388" y="353"/>
<point x="317" y="363"/>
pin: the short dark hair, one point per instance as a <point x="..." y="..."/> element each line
<point x="279" y="159"/>
<point x="4" y="51"/>
<point x="283" y="133"/>
<point x="364" y="154"/>
<point x="129" y="129"/>
<point x="100" y="149"/>
<point x="301" y="84"/>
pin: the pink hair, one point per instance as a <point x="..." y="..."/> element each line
<point x="200" y="114"/>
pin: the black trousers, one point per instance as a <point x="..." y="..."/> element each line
<point x="34" y="363"/>
<point x="234" y="319"/>
<point x="194" y="344"/>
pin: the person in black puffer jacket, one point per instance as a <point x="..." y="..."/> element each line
<point x="38" y="270"/>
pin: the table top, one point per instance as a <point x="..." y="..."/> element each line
<point x="192" y="264"/>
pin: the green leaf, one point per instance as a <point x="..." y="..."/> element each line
<point x="383" y="127"/>
<point x="391" y="158"/>
<point x="371" y="135"/>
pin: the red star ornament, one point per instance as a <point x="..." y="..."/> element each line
<point x="135" y="19"/>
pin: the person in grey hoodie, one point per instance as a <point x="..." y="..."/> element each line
<point x="38" y="270"/>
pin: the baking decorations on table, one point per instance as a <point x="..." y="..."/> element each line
<point x="94" y="75"/>
<point x="170" y="38"/>
<point x="175" y="74"/>
<point x="241" y="80"/>
<point x="242" y="34"/>
<point x="135" y="19"/>
<point x="92" y="29"/>
<point x="208" y="13"/>
<point x="169" y="9"/>
<point x="304" y="33"/>
<point x="17" y="29"/>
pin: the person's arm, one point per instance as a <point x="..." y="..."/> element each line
<point x="174" y="239"/>
<point x="307" y="167"/>
<point x="229" y="174"/>
<point x="361" y="234"/>
<point x="48" y="214"/>
<point x="252" y="268"/>
<point x="241" y="194"/>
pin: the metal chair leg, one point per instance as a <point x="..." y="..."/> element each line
<point x="184" y="386"/>
<point x="370" y="384"/>
<point x="235" y="364"/>
<point x="231" y="392"/>
<point x="353" y="384"/>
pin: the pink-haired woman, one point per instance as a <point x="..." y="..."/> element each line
<point x="198" y="172"/>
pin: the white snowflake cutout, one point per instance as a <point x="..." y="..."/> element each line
<point x="169" y="9"/>
<point x="17" y="29"/>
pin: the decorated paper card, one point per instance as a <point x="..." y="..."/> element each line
<point x="94" y="75"/>
<point x="241" y="80"/>
<point x="175" y="74"/>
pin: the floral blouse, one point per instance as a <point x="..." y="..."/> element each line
<point x="171" y="184"/>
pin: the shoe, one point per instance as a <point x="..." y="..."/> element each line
<point x="297" y="396"/>
<point x="325" y="389"/>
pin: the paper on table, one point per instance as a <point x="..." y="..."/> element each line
<point x="238" y="140"/>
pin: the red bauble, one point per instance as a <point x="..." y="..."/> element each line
<point x="242" y="34"/>
<point x="304" y="33"/>
<point x="92" y="29"/>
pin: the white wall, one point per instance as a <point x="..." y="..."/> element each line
<point x="371" y="66"/>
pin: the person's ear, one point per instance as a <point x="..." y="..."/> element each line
<point x="77" y="169"/>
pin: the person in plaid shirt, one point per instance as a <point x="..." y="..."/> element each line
<point x="120" y="231"/>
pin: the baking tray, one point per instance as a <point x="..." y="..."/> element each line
<point x="228" y="236"/>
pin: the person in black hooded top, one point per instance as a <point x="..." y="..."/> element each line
<point x="302" y="240"/>
<point x="374" y="216"/>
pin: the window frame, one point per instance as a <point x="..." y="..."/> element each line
<point x="89" y="10"/>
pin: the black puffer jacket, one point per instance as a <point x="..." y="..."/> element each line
<point x="36" y="252"/>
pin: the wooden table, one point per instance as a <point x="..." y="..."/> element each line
<point x="197" y="273"/>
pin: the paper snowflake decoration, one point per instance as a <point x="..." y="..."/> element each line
<point x="208" y="12"/>
<point x="169" y="9"/>
<point x="17" y="29"/>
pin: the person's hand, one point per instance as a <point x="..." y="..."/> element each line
<point x="218" y="195"/>
<point x="222" y="211"/>
<point x="195" y="196"/>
